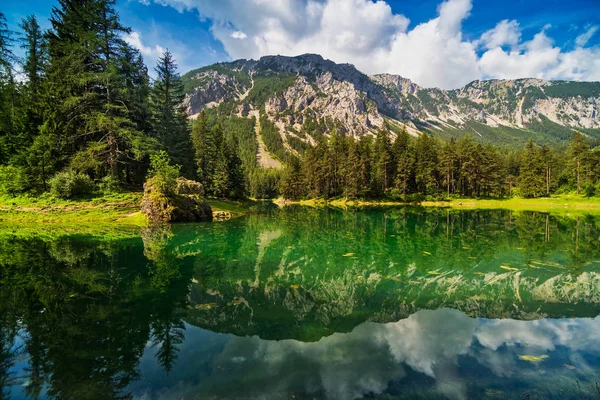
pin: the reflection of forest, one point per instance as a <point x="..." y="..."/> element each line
<point x="327" y="271"/>
<point x="79" y="311"/>
<point x="88" y="307"/>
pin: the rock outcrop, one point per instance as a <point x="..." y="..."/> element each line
<point x="183" y="204"/>
<point x="297" y="91"/>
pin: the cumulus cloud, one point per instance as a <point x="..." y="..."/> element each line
<point x="371" y="36"/>
<point x="135" y="39"/>
<point x="444" y="345"/>
<point x="505" y="33"/>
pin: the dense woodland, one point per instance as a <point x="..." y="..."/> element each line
<point x="81" y="114"/>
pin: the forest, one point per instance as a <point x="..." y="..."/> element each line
<point x="81" y="114"/>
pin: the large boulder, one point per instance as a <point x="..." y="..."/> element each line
<point x="189" y="187"/>
<point x="184" y="204"/>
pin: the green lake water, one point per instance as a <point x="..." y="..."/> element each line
<point x="306" y="303"/>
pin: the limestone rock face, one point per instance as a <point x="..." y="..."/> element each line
<point x="184" y="204"/>
<point x="297" y="92"/>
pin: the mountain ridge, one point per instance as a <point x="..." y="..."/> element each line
<point x="299" y="93"/>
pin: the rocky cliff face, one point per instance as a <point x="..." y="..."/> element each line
<point x="296" y="91"/>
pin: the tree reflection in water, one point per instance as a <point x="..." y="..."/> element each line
<point x="78" y="313"/>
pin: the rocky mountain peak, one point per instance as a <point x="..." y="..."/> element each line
<point x="294" y="90"/>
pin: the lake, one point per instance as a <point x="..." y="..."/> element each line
<point x="304" y="303"/>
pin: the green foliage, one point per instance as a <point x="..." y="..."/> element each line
<point x="267" y="84"/>
<point x="270" y="135"/>
<point x="170" y="125"/>
<point x="565" y="90"/>
<point x="264" y="183"/>
<point x="190" y="82"/>
<point x="164" y="173"/>
<point x="13" y="180"/>
<point x="70" y="184"/>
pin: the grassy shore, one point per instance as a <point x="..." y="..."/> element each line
<point x="560" y="204"/>
<point x="121" y="209"/>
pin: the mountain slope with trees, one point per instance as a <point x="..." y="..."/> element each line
<point x="308" y="95"/>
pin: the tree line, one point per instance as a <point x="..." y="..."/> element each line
<point x="413" y="169"/>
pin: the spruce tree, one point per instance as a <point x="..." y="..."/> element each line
<point x="383" y="162"/>
<point x="578" y="150"/>
<point x="291" y="182"/>
<point x="169" y="117"/>
<point x="34" y="65"/>
<point x="531" y="179"/>
<point x="89" y="120"/>
<point x="426" y="162"/>
<point x="405" y="162"/>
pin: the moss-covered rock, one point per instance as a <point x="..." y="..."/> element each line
<point x="189" y="187"/>
<point x="184" y="204"/>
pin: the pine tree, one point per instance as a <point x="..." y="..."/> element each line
<point x="383" y="162"/>
<point x="548" y="161"/>
<point x="6" y="54"/>
<point x="291" y="183"/>
<point x="201" y="145"/>
<point x="35" y="62"/>
<point x="448" y="160"/>
<point x="426" y="162"/>
<point x="352" y="173"/>
<point x="405" y="162"/>
<point x="531" y="179"/>
<point x="169" y="117"/>
<point x="88" y="119"/>
<point x="578" y="150"/>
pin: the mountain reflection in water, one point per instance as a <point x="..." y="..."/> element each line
<point x="305" y="303"/>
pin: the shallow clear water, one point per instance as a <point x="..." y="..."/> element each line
<point x="304" y="303"/>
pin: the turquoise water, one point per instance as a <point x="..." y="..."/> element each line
<point x="307" y="304"/>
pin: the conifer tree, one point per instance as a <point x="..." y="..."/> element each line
<point x="531" y="179"/>
<point x="578" y="150"/>
<point x="169" y="118"/>
<point x="383" y="162"/>
<point x="405" y="162"/>
<point x="448" y="164"/>
<point x="426" y="164"/>
<point x="35" y="62"/>
<point x="291" y="183"/>
<point x="88" y="118"/>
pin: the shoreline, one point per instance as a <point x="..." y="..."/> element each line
<point x="124" y="209"/>
<point x="563" y="204"/>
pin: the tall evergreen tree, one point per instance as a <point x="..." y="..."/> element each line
<point x="34" y="64"/>
<point x="405" y="162"/>
<point x="169" y="117"/>
<point x="383" y="162"/>
<point x="6" y="42"/>
<point x="426" y="164"/>
<point x="88" y="118"/>
<point x="291" y="183"/>
<point x="578" y="150"/>
<point x="531" y="179"/>
<point x="448" y="160"/>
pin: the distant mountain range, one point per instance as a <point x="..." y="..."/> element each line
<point x="307" y="96"/>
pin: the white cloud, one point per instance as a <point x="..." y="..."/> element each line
<point x="239" y="35"/>
<point x="371" y="36"/>
<point x="586" y="36"/>
<point x="505" y="33"/>
<point x="135" y="39"/>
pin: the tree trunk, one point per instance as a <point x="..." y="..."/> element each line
<point x="578" y="180"/>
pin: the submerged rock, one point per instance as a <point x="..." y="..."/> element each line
<point x="184" y="204"/>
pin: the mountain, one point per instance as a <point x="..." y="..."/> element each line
<point x="307" y="96"/>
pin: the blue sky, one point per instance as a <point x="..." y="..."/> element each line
<point x="433" y="42"/>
